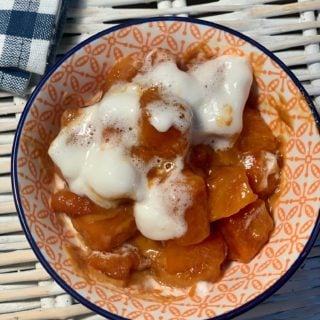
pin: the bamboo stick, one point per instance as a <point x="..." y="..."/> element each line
<point x="10" y="227"/>
<point x="5" y="149"/>
<point x="48" y="314"/>
<point x="16" y="257"/>
<point x="284" y="42"/>
<point x="164" y="4"/>
<point x="111" y="3"/>
<point x="105" y="3"/>
<point x="47" y="301"/>
<point x="30" y="293"/>
<point x="18" y="306"/>
<point x="94" y="317"/>
<point x="7" y="207"/>
<point x="8" y="218"/>
<point x="236" y="21"/>
<point x="12" y="238"/>
<point x="63" y="300"/>
<point x="312" y="89"/>
<point x="14" y="286"/>
<point x="5" y="165"/>
<point x="14" y="246"/>
<point x="7" y="124"/>
<point x="283" y="9"/>
<point x="115" y="13"/>
<point x="12" y="242"/>
<point x="108" y="14"/>
<point x="8" y="108"/>
<point x="6" y="138"/>
<point x="312" y="49"/>
<point x="249" y="26"/>
<point x="16" y="268"/>
<point x="304" y="59"/>
<point x="5" y="184"/>
<point x="288" y="27"/>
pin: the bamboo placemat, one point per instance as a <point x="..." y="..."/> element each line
<point x="289" y="28"/>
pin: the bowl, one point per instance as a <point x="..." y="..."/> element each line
<point x="285" y="106"/>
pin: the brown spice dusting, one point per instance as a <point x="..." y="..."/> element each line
<point x="227" y="116"/>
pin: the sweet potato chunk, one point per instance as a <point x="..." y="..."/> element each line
<point x="74" y="205"/>
<point x="168" y="144"/>
<point x="185" y="265"/>
<point x="147" y="248"/>
<point x="123" y="70"/>
<point x="103" y="233"/>
<point x="114" y="265"/>
<point x="255" y="135"/>
<point x="203" y="158"/>
<point x="262" y="170"/>
<point x="247" y="231"/>
<point x="200" y="158"/>
<point x="229" y="191"/>
<point x="196" y="216"/>
<point x="228" y="157"/>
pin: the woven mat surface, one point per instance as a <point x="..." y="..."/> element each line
<point x="289" y="28"/>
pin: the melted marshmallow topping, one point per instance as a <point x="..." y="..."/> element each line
<point x="93" y="151"/>
<point x="160" y="216"/>
<point x="93" y="167"/>
<point x="169" y="113"/>
<point x="216" y="91"/>
<point x="175" y="82"/>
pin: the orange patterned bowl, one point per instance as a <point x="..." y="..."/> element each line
<point x="79" y="75"/>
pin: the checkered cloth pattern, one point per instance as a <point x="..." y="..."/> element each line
<point x="28" y="31"/>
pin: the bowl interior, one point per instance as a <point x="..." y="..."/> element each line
<point x="285" y="110"/>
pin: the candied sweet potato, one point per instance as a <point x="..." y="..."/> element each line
<point x="196" y="216"/>
<point x="262" y="170"/>
<point x="229" y="191"/>
<point x="256" y="135"/>
<point x="148" y="248"/>
<point x="73" y="205"/>
<point x="185" y="265"/>
<point x="103" y="233"/>
<point x="247" y="231"/>
<point x="200" y="158"/>
<point x="223" y="187"/>
<point x="124" y="69"/>
<point x="114" y="265"/>
<point x="168" y="144"/>
<point x="228" y="157"/>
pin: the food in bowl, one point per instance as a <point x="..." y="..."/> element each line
<point x="168" y="175"/>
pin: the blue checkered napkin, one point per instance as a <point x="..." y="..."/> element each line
<point x="28" y="29"/>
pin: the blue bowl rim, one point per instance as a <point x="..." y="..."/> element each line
<point x="14" y="177"/>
